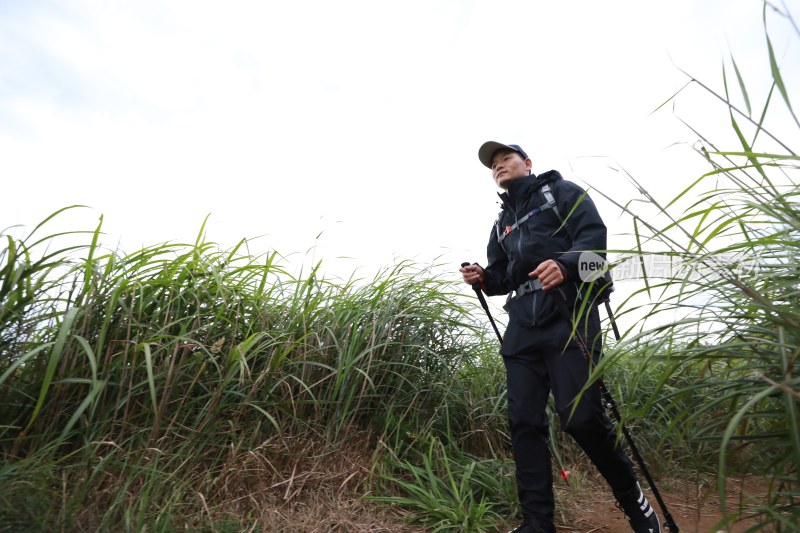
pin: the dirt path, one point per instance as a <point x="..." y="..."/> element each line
<point x="692" y="508"/>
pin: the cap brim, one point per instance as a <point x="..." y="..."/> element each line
<point x="488" y="149"/>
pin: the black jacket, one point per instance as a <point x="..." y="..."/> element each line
<point x="542" y="236"/>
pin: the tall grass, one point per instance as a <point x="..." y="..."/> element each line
<point x="184" y="386"/>
<point x="132" y="383"/>
<point x="723" y="323"/>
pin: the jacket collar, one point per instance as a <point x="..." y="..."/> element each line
<point x="519" y="189"/>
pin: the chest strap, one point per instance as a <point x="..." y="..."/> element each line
<point x="550" y="204"/>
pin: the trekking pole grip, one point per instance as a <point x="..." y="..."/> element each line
<point x="475" y="286"/>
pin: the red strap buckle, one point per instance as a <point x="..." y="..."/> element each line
<point x="508" y="230"/>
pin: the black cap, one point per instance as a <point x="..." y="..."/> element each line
<point x="488" y="149"/>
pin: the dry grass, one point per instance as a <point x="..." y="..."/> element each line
<point x="305" y="487"/>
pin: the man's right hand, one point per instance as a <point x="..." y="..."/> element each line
<point x="472" y="274"/>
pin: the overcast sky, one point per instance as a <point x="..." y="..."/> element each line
<point x="349" y="127"/>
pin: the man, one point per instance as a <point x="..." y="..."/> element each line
<point x="533" y="256"/>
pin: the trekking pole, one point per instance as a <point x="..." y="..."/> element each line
<point x="477" y="288"/>
<point x="612" y="406"/>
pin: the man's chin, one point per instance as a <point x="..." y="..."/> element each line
<point x="503" y="181"/>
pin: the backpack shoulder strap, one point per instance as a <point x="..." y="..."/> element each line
<point x="550" y="203"/>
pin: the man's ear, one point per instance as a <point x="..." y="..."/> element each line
<point x="528" y="165"/>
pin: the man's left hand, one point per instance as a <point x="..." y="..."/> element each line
<point x="549" y="274"/>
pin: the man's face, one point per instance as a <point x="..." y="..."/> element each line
<point x="508" y="165"/>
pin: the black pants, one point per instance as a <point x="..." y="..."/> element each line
<point x="531" y="376"/>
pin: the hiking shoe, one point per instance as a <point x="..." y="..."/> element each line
<point x="527" y="527"/>
<point x="524" y="527"/>
<point x="638" y="511"/>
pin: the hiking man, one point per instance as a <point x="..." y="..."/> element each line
<point x="533" y="255"/>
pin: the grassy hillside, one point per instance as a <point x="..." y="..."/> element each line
<point x="185" y="387"/>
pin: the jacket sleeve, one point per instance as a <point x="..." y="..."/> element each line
<point x="583" y="223"/>
<point x="495" y="279"/>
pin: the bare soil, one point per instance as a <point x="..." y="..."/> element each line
<point x="694" y="509"/>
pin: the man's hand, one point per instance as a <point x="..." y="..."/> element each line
<point x="549" y="274"/>
<point x="472" y="274"/>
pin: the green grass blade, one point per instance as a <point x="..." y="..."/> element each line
<point x="742" y="86"/>
<point x="151" y="383"/>
<point x="776" y="76"/>
<point x="55" y="356"/>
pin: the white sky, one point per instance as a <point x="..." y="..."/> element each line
<point x="359" y="120"/>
